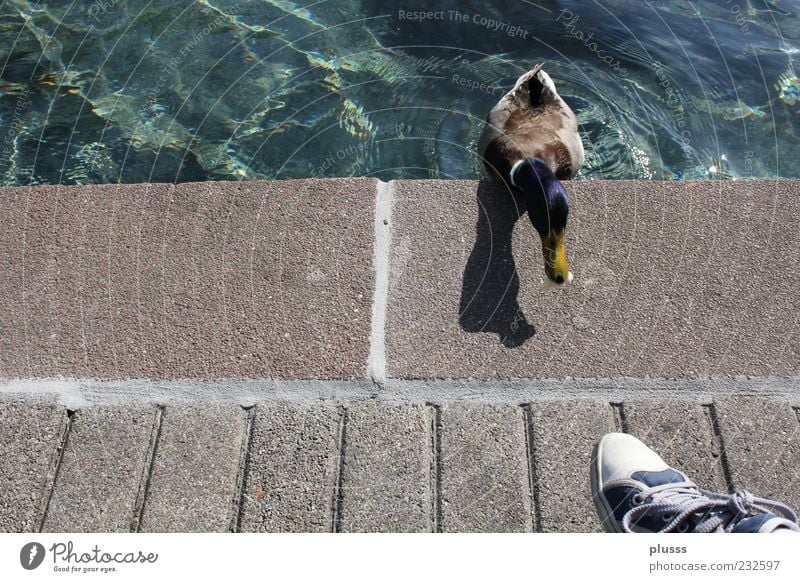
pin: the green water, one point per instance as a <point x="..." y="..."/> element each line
<point x="146" y="91"/>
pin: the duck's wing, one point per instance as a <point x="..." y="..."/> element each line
<point x="532" y="120"/>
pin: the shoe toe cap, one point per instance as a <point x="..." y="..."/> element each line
<point x="620" y="455"/>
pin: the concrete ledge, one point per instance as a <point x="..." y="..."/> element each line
<point x="278" y="280"/>
<point x="372" y="357"/>
<point x="268" y="279"/>
<point x="672" y="279"/>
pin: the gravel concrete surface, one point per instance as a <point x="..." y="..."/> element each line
<point x="562" y="435"/>
<point x="31" y="440"/>
<point x="672" y="279"/>
<point x="206" y="280"/>
<point x="193" y="484"/>
<point x="100" y="478"/>
<point x="387" y="468"/>
<point x="281" y="356"/>
<point x="291" y="480"/>
<point x="484" y="478"/>
<point x="368" y="466"/>
<point x="277" y="280"/>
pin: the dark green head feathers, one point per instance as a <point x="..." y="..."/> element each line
<point x="531" y="141"/>
<point x="545" y="197"/>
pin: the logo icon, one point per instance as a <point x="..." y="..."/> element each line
<point x="31" y="556"/>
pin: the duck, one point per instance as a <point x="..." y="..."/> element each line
<point x="530" y="143"/>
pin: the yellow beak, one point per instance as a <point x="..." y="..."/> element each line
<point x="555" y="257"/>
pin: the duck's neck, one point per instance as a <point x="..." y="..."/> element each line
<point x="534" y="177"/>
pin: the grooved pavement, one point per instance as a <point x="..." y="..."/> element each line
<point x="201" y="357"/>
<point x="366" y="466"/>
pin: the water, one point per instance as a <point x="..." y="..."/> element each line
<point x="166" y="91"/>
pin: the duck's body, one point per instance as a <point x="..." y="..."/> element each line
<point x="530" y="143"/>
<point x="531" y="121"/>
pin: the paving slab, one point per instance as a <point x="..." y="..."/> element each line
<point x="563" y="435"/>
<point x="203" y="280"/>
<point x="292" y="469"/>
<point x="484" y="484"/>
<point x="30" y="442"/>
<point x="683" y="434"/>
<point x="669" y="282"/>
<point x="100" y="481"/>
<point x="386" y="480"/>
<point x="762" y="446"/>
<point x="445" y="462"/>
<point x="194" y="483"/>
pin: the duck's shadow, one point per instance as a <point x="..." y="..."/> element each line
<point x="491" y="285"/>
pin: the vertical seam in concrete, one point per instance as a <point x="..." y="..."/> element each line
<point x="436" y="467"/>
<point x="54" y="469"/>
<point x="147" y="473"/>
<point x="244" y="469"/>
<point x="376" y="361"/>
<point x="620" y="416"/>
<point x="338" y="487"/>
<point x="719" y="439"/>
<point x="533" y="471"/>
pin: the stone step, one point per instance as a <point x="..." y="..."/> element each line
<point x="278" y="280"/>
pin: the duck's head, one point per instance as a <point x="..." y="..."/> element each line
<point x="548" y="207"/>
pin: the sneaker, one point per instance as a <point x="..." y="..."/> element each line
<point x="634" y="490"/>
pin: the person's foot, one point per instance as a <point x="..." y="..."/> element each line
<point x="634" y="490"/>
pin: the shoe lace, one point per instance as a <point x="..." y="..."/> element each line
<point x="684" y="506"/>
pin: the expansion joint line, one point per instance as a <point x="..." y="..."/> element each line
<point x="376" y="361"/>
<point x="55" y="468"/>
<point x="147" y="474"/>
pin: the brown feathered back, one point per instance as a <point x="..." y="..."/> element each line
<point x="531" y="120"/>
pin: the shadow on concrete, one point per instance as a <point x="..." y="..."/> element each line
<point x="491" y="285"/>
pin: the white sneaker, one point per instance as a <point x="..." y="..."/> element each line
<point x="634" y="490"/>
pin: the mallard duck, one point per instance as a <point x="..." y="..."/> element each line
<point x="531" y="142"/>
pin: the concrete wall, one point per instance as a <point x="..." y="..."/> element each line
<point x="356" y="279"/>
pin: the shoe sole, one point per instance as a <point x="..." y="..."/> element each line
<point x="604" y="510"/>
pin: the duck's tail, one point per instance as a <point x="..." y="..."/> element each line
<point x="535" y="86"/>
<point x="540" y="87"/>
